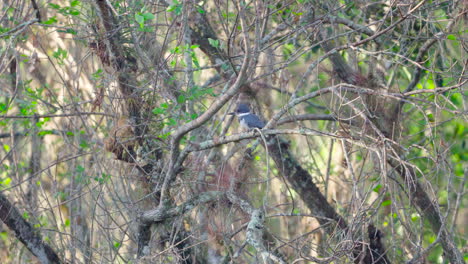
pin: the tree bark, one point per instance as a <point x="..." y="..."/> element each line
<point x="11" y="216"/>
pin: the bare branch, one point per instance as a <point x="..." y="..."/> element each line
<point x="163" y="213"/>
<point x="11" y="216"/>
<point x="254" y="228"/>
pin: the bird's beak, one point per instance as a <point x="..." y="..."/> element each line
<point x="232" y="113"/>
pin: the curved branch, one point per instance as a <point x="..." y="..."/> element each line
<point x="255" y="227"/>
<point x="11" y="216"/>
<point x="212" y="110"/>
<point x="304" y="117"/>
<point x="429" y="209"/>
<point x="163" y="213"/>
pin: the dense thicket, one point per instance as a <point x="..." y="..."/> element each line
<point x="116" y="145"/>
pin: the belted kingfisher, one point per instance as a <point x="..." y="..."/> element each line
<point x="247" y="120"/>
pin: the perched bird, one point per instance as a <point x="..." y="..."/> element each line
<point x="247" y="120"/>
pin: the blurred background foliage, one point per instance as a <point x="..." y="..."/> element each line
<point x="84" y="110"/>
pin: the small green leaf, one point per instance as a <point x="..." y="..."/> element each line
<point x="45" y="132"/>
<point x="200" y="10"/>
<point x="6" y="147"/>
<point x="213" y="42"/>
<point x="6" y="182"/>
<point x="415" y="217"/>
<point x="54" y="6"/>
<point x="431" y="118"/>
<point x="51" y="21"/>
<point x="80" y="169"/>
<point x="4" y="236"/>
<point x="195" y="61"/>
<point x="148" y="16"/>
<point x="172" y="122"/>
<point x="386" y="203"/>
<point x="377" y="188"/>
<point x="176" y="7"/>
<point x="67" y="222"/>
<point x="140" y="20"/>
<point x="117" y="245"/>
<point x="451" y="37"/>
<point x="75" y="3"/>
<point x="74" y="12"/>
<point x="158" y="111"/>
<point x="296" y="211"/>
<point x="181" y="99"/>
<point x="84" y="144"/>
<point x="68" y="31"/>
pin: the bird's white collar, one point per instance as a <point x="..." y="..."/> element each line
<point x="243" y="114"/>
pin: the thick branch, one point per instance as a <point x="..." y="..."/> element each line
<point x="11" y="216"/>
<point x="304" y="117"/>
<point x="429" y="209"/>
<point x="122" y="64"/>
<point x="255" y="228"/>
<point x="212" y="110"/>
<point x="422" y="52"/>
<point x="419" y="197"/>
<point x="297" y="176"/>
<point x="163" y="213"/>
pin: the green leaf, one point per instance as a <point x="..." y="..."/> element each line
<point x="377" y="188"/>
<point x="201" y="10"/>
<point x="74" y="12"/>
<point x="386" y="203"/>
<point x="54" y="6"/>
<point x="148" y="16"/>
<point x="195" y="61"/>
<point x="213" y="42"/>
<point x="6" y="147"/>
<point x="176" y="7"/>
<point x="51" y="21"/>
<point x="158" y="111"/>
<point x="172" y="122"/>
<point x="415" y="217"/>
<point x="431" y="118"/>
<point x="75" y="3"/>
<point x="6" y="182"/>
<point x="181" y="99"/>
<point x="80" y="169"/>
<point x="67" y="222"/>
<point x="140" y="20"/>
<point x="84" y="144"/>
<point x="117" y="245"/>
<point x="68" y="31"/>
<point x="44" y="132"/>
<point x="451" y="37"/>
